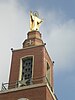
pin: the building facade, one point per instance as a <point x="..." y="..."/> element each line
<point x="31" y="73"/>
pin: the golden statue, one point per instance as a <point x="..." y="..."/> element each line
<point x="35" y="21"/>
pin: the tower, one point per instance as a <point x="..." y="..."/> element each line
<point x="31" y="73"/>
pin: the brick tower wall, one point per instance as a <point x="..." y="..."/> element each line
<point x="32" y="94"/>
<point x="38" y="68"/>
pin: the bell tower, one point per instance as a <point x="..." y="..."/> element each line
<point x="31" y="73"/>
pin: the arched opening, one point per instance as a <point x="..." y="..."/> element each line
<point x="48" y="73"/>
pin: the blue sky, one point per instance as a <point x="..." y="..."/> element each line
<point x="58" y="31"/>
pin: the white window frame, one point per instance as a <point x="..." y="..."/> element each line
<point x="20" y="71"/>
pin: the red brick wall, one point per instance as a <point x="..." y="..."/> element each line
<point x="40" y="57"/>
<point x="39" y="68"/>
<point x="48" y="95"/>
<point x="48" y="59"/>
<point x="38" y="93"/>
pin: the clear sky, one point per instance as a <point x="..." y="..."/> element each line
<point x="58" y="31"/>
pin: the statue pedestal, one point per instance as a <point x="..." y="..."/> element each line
<point x="33" y="39"/>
